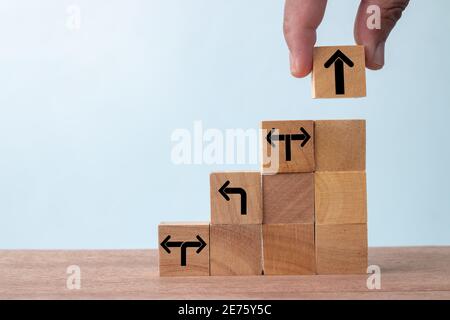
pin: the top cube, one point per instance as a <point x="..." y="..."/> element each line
<point x="339" y="72"/>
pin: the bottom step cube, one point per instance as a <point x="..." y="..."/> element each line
<point x="289" y="249"/>
<point x="184" y="249"/>
<point x="341" y="248"/>
<point x="236" y="250"/>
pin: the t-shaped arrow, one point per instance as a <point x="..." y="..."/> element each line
<point x="287" y="138"/>
<point x="166" y="244"/>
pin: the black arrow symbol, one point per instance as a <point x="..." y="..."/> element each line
<point x="225" y="191"/>
<point x="338" y="58"/>
<point x="173" y="244"/>
<point x="271" y="137"/>
<point x="200" y="244"/>
<point x="303" y="136"/>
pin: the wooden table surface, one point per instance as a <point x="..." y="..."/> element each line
<point x="409" y="272"/>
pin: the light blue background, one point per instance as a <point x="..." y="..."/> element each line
<point x="86" y="116"/>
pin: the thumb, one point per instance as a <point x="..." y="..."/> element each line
<point x="374" y="37"/>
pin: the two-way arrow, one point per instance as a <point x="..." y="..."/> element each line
<point x="200" y="244"/>
<point x="225" y="191"/>
<point x="338" y="59"/>
<point x="287" y="138"/>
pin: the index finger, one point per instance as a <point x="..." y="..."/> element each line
<point x="301" y="19"/>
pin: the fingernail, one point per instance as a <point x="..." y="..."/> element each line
<point x="378" y="55"/>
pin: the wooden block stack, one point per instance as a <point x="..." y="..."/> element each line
<point x="340" y="197"/>
<point x="236" y="220"/>
<point x="305" y="213"/>
<point x="288" y="196"/>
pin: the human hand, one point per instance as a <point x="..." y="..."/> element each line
<point x="303" y="17"/>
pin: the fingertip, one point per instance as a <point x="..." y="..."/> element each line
<point x="300" y="65"/>
<point x="372" y="66"/>
<point x="375" y="56"/>
<point x="299" y="73"/>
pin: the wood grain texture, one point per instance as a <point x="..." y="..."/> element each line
<point x="229" y="212"/>
<point x="197" y="264"/>
<point x="289" y="249"/>
<point x="323" y="79"/>
<point x="288" y="198"/>
<point x="340" y="145"/>
<point x="407" y="273"/>
<point x="274" y="157"/>
<point x="341" y="249"/>
<point x="236" y="250"/>
<point x="340" y="197"/>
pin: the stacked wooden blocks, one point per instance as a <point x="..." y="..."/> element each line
<point x="340" y="197"/>
<point x="236" y="219"/>
<point x="288" y="196"/>
<point x="305" y="213"/>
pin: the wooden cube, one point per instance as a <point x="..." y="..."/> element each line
<point x="339" y="72"/>
<point x="340" y="145"/>
<point x="341" y="249"/>
<point x="236" y="198"/>
<point x="340" y="197"/>
<point x="289" y="249"/>
<point x="288" y="198"/>
<point x="236" y="250"/>
<point x="184" y="249"/>
<point x="288" y="146"/>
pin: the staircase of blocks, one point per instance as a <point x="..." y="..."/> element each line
<point x="305" y="213"/>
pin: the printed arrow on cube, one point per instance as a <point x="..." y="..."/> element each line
<point x="200" y="244"/>
<point x="287" y="138"/>
<point x="338" y="59"/>
<point x="225" y="191"/>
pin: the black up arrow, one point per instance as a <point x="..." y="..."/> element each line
<point x="338" y="58"/>
<point x="287" y="138"/>
<point x="225" y="191"/>
<point x="200" y="244"/>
